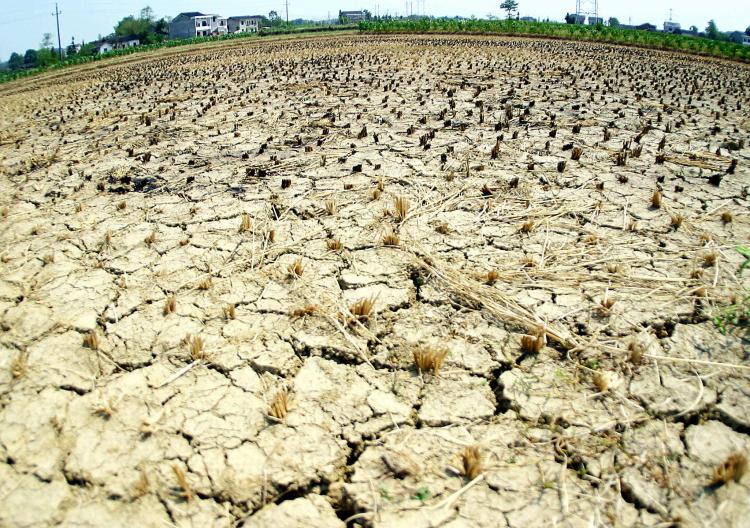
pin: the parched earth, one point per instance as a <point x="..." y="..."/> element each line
<point x="378" y="281"/>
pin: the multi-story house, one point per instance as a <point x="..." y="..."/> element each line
<point x="244" y="24"/>
<point x="195" y="24"/>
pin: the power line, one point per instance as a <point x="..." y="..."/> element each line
<point x="57" y="14"/>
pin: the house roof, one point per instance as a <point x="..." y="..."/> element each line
<point x="352" y="12"/>
<point x="191" y="14"/>
<point x="238" y="17"/>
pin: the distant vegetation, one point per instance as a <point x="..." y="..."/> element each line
<point x="598" y="33"/>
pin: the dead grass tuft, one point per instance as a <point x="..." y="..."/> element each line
<point x="296" y="269"/>
<point x="528" y="226"/>
<point x="280" y="405"/>
<point x="334" y="244"/>
<point x="196" y="346"/>
<point x="709" y="259"/>
<point x="206" y="284"/>
<point x="246" y="223"/>
<point x="600" y="381"/>
<point x="471" y="462"/>
<point x="491" y="277"/>
<point x="230" y="312"/>
<point x="331" y="207"/>
<point x="91" y="340"/>
<point x="150" y="239"/>
<point x="677" y="220"/>
<point x="142" y="486"/>
<point x="533" y="344"/>
<point x="19" y="366"/>
<point x="656" y="199"/>
<point x="442" y="228"/>
<point x="726" y="217"/>
<point x="429" y="359"/>
<point x="400" y="208"/>
<point x="635" y="353"/>
<point x="733" y="468"/>
<point x="184" y="491"/>
<point x="391" y="239"/>
<point x="362" y="310"/>
<point x="305" y="311"/>
<point x="170" y="305"/>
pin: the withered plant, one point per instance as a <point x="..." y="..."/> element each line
<point x="91" y="340"/>
<point x="656" y="199"/>
<point x="296" y="268"/>
<point x="428" y="359"/>
<point x="334" y="244"/>
<point x="170" y="305"/>
<point x="196" y="346"/>
<point x="533" y="344"/>
<point x="246" y="223"/>
<point x="361" y="311"/>
<point x="391" y="239"/>
<point x="183" y="490"/>
<point x="400" y="208"/>
<point x="305" y="311"/>
<point x="471" y="462"/>
<point x="279" y="407"/>
<point x="230" y="312"/>
<point x="331" y="207"/>
<point x="732" y="469"/>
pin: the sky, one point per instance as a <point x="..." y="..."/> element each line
<point x="24" y="23"/>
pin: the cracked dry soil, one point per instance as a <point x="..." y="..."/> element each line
<point x="219" y="262"/>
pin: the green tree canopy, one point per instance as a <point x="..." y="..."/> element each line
<point x="46" y="57"/>
<point x="509" y="6"/>
<point x="712" y="31"/>
<point x="15" y="62"/>
<point x="133" y="26"/>
<point x="29" y="58"/>
<point x="747" y="31"/>
<point x="613" y="22"/>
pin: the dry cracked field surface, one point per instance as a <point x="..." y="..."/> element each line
<point x="376" y="281"/>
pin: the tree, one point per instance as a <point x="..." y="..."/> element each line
<point x="509" y="6"/>
<point x="29" y="59"/>
<point x="712" y="31"/>
<point x="46" y="41"/>
<point x="130" y="25"/>
<point x="274" y="19"/>
<point x="46" y="57"/>
<point x="71" y="50"/>
<point x="613" y="22"/>
<point x="15" y="62"/>
<point x="747" y="31"/>
<point x="147" y="14"/>
<point x="694" y="29"/>
<point x="87" y="50"/>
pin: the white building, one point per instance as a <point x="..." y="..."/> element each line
<point x="195" y="24"/>
<point x="244" y="24"/>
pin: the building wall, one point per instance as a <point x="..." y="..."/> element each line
<point x="182" y="27"/>
<point x="235" y="25"/>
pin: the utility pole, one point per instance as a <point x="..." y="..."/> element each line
<point x="57" y="14"/>
<point x="287" y="12"/>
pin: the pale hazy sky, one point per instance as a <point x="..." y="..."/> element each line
<point x="23" y="23"/>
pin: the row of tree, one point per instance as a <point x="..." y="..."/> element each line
<point x="146" y="27"/>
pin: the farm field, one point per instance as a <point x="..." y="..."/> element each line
<point x="376" y="281"/>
